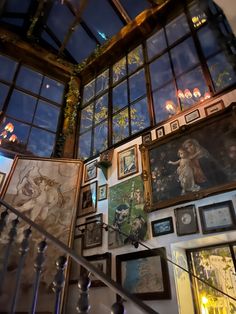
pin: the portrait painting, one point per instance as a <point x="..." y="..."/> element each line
<point x="46" y="191"/>
<point x="88" y="199"/>
<point x="93" y="231"/>
<point x="102" y="192"/>
<point x="90" y="171"/>
<point x="192" y="163"/>
<point x="126" y="216"/>
<point x="127" y="162"/>
<point x="2" y="177"/>
<point x="144" y="274"/>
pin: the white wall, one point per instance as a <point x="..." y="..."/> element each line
<point x="229" y="8"/>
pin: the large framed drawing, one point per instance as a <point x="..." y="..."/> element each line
<point x="192" y="163"/>
<point x="46" y="191"/>
<point x="144" y="273"/>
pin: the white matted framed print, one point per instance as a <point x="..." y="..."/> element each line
<point x="90" y="171"/>
<point x="127" y="160"/>
<point x="192" y="116"/>
<point x="102" y="192"/>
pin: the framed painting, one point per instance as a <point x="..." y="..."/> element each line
<point x="103" y="263"/>
<point x="46" y="191"/>
<point x="93" y="232"/>
<point x="88" y="199"/>
<point x="146" y="138"/>
<point x="217" y="217"/>
<point x="126" y="214"/>
<point x="162" y="226"/>
<point x="186" y="220"/>
<point x="90" y="171"/>
<point x="197" y="161"/>
<point x="127" y="162"/>
<point x="2" y="177"/>
<point x="102" y="192"/>
<point x="144" y="273"/>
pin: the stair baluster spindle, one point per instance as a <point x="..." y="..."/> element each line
<point x="24" y="248"/>
<point x="58" y="282"/>
<point x="117" y="308"/>
<point x="84" y="283"/>
<point x="38" y="266"/>
<point x="12" y="234"/>
<point x="3" y="220"/>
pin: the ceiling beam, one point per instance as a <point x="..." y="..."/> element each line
<point x="121" y="11"/>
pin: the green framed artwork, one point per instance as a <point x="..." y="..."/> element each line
<point x="126" y="214"/>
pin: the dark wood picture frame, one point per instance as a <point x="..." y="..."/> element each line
<point x="217" y="217"/>
<point x="213" y="108"/>
<point x="174" y="125"/>
<point x="186" y="220"/>
<point x="127" y="162"/>
<point x="90" y="171"/>
<point x="160" y="132"/>
<point x="192" y="116"/>
<point x="208" y="145"/>
<point x="93" y="231"/>
<point x="162" y="226"/>
<point x="2" y="177"/>
<point x="102" y="192"/>
<point x="152" y="268"/>
<point x="88" y="199"/>
<point x="146" y="138"/>
<point x="103" y="262"/>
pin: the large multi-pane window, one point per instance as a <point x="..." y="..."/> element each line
<point x="185" y="62"/>
<point x="31" y="102"/>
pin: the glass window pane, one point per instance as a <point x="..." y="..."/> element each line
<point x="139" y="116"/>
<point x="192" y="88"/>
<point x="197" y="15"/>
<point x="29" y="79"/>
<point x="215" y="266"/>
<point x="184" y="56"/>
<point x="160" y="71"/>
<point x="120" y="96"/>
<point x="101" y="108"/>
<point x="88" y="92"/>
<point x="208" y="40"/>
<point x="16" y="6"/>
<point x="102" y="82"/>
<point x="222" y="71"/>
<point x="41" y="143"/>
<point x="177" y="28"/>
<point x="52" y="90"/>
<point x="100" y="138"/>
<point x="21" y="106"/>
<point x="156" y="44"/>
<point x="135" y="59"/>
<point x="137" y="85"/>
<point x="119" y="70"/>
<point x="120" y="126"/>
<point x="85" y="145"/>
<point x="46" y="116"/>
<point x="165" y="102"/>
<point x="86" y="118"/>
<point x="7" y="68"/>
<point x="3" y="94"/>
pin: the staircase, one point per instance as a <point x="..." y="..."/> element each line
<point x="31" y="282"/>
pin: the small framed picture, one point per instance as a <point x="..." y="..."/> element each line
<point x="217" y="217"/>
<point x="146" y="138"/>
<point x="186" y="220"/>
<point x="2" y="177"/>
<point x="103" y="263"/>
<point x="160" y="132"/>
<point x="214" y="107"/>
<point x="90" y="171"/>
<point x="174" y="125"/>
<point x="162" y="226"/>
<point x="194" y="115"/>
<point x="127" y="162"/>
<point x="102" y="192"/>
<point x="88" y="199"/>
<point x="93" y="232"/>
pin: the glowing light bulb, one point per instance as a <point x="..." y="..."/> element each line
<point x="187" y="94"/>
<point x="196" y="92"/>
<point x="47" y="85"/>
<point x="207" y="95"/>
<point x="170" y="106"/>
<point x="9" y="127"/>
<point x="180" y="94"/>
<point x="13" y="138"/>
<point x="204" y="300"/>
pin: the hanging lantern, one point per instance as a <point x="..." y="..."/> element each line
<point x="170" y="106"/>
<point x="9" y="127"/>
<point x="196" y="92"/>
<point x="13" y="138"/>
<point x="187" y="94"/>
<point x="4" y="134"/>
<point x="180" y="94"/>
<point x="207" y="95"/>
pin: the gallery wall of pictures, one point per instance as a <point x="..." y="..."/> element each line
<point x="198" y="212"/>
